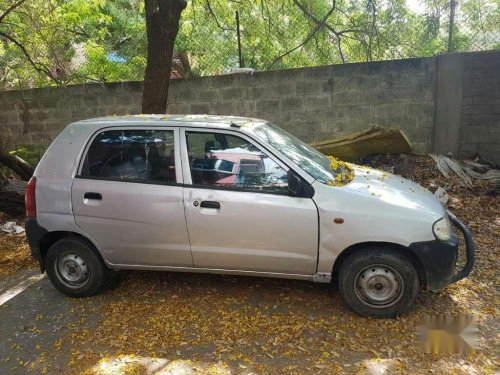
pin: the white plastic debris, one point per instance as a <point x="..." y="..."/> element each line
<point x="465" y="170"/>
<point x="442" y="195"/>
<point x="11" y="227"/>
<point x="447" y="165"/>
<point x="242" y="70"/>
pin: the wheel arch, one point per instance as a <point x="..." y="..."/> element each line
<point x="407" y="252"/>
<point x="51" y="238"/>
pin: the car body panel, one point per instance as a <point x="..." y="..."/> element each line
<point x="134" y="223"/>
<point x="54" y="174"/>
<point x="375" y="207"/>
<point x="253" y="233"/>
<point x="249" y="232"/>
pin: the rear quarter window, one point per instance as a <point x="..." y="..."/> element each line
<point x="131" y="155"/>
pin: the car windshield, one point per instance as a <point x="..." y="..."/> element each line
<point x="307" y="158"/>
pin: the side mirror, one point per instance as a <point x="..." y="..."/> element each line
<point x="294" y="184"/>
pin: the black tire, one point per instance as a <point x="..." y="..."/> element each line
<point x="378" y="282"/>
<point x="74" y="253"/>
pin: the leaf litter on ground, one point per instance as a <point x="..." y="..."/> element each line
<point x="209" y="324"/>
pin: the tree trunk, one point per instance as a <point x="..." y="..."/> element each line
<point x="186" y="64"/>
<point x="12" y="190"/>
<point x="16" y="164"/>
<point x="12" y="196"/>
<point x="162" y="25"/>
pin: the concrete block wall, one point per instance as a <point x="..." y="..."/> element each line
<point x="31" y="117"/>
<point x="317" y="103"/>
<point x="480" y="120"/>
<point x="322" y="102"/>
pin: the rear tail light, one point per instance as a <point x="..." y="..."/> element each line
<point x="29" y="198"/>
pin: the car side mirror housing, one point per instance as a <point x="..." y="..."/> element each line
<point x="297" y="187"/>
<point x="294" y="184"/>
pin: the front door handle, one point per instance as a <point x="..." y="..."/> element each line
<point x="210" y="204"/>
<point x="93" y="196"/>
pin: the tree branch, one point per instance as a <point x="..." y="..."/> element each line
<point x="339" y="46"/>
<point x="210" y="10"/>
<point x="307" y="39"/>
<point x="322" y="22"/>
<point x="10" y="9"/>
<point x="38" y="67"/>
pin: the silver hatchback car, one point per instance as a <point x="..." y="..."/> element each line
<point x="238" y="196"/>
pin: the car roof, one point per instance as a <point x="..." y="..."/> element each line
<point x="179" y="120"/>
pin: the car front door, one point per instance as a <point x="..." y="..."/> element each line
<point x="238" y="210"/>
<point x="127" y="196"/>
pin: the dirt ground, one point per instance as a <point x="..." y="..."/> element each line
<point x="190" y="323"/>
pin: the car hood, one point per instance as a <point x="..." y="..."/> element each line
<point x="393" y="189"/>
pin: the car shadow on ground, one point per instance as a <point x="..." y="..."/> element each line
<point x="259" y="290"/>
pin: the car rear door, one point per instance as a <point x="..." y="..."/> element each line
<point x="238" y="211"/>
<point x="128" y="197"/>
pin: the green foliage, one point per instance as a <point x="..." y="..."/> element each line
<point x="69" y="41"/>
<point x="31" y="154"/>
<point x="75" y="41"/>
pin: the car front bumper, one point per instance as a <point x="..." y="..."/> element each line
<point x="439" y="257"/>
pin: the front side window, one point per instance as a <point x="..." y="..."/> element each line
<point x="132" y="155"/>
<point x="227" y="161"/>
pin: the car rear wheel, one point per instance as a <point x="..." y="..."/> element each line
<point x="76" y="269"/>
<point x="378" y="282"/>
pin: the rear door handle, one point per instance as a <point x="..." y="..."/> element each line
<point x="93" y="196"/>
<point x="210" y="204"/>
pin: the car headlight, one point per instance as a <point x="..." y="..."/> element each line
<point x="442" y="229"/>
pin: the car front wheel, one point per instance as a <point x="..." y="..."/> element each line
<point x="378" y="282"/>
<point x="76" y="269"/>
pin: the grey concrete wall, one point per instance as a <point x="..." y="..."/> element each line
<point x="30" y="117"/>
<point x="480" y="115"/>
<point x="449" y="85"/>
<point x="323" y="102"/>
<point x="312" y="103"/>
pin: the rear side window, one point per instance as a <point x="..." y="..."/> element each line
<point x="132" y="155"/>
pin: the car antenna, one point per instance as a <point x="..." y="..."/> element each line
<point x="235" y="125"/>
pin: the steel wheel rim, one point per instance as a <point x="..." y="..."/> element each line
<point x="72" y="270"/>
<point x="379" y="286"/>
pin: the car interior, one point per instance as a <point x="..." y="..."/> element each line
<point x="132" y="158"/>
<point x="221" y="163"/>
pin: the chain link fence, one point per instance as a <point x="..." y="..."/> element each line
<point x="475" y="26"/>
<point x="287" y="34"/>
<point x="273" y="34"/>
